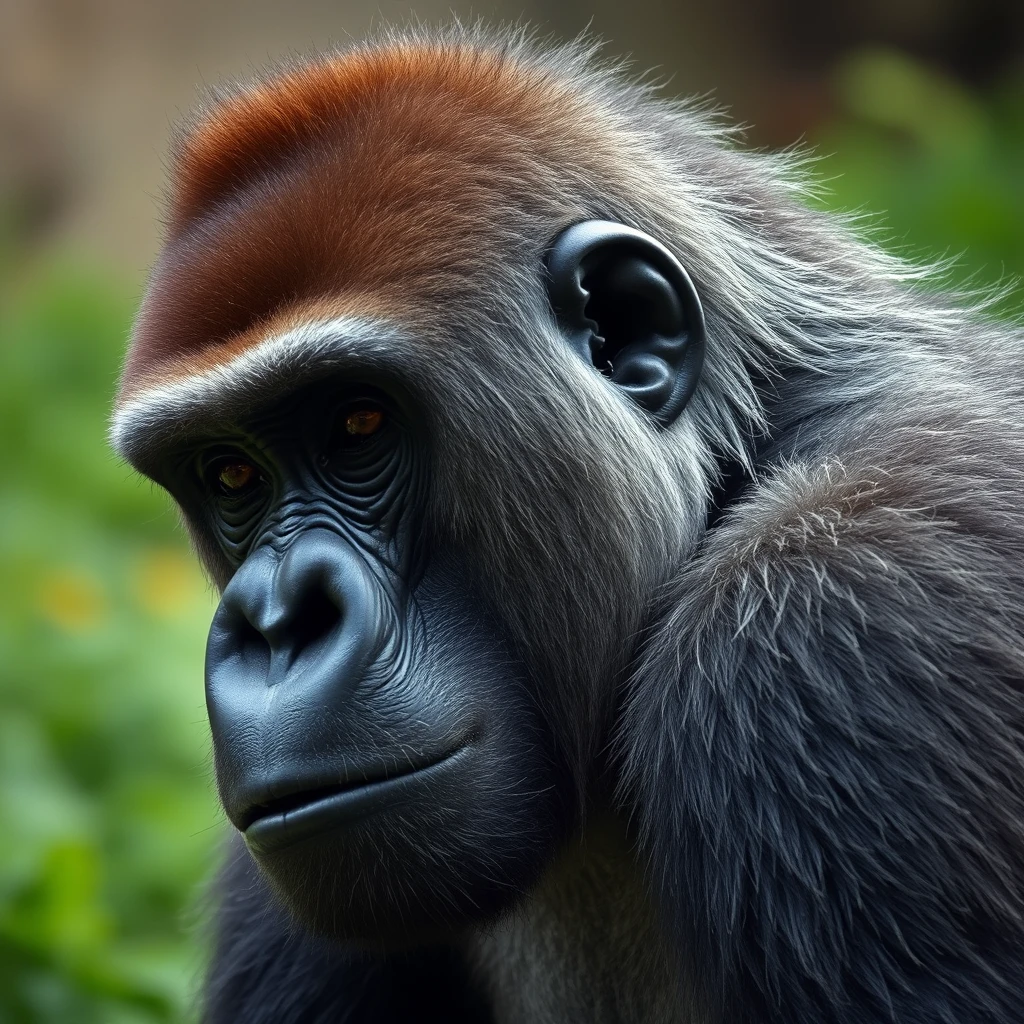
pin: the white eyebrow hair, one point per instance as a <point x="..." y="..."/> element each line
<point x="170" y="408"/>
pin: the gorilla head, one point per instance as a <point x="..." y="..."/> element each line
<point x="406" y="683"/>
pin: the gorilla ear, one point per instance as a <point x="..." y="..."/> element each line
<point x="629" y="308"/>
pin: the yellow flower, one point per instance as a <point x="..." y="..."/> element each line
<point x="167" y="581"/>
<point x="72" y="600"/>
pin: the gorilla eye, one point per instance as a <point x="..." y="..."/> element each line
<point x="363" y="422"/>
<point x="355" y="426"/>
<point x="234" y="476"/>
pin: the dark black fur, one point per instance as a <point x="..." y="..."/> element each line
<point x="268" y="969"/>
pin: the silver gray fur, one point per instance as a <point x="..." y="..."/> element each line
<point x="812" y="713"/>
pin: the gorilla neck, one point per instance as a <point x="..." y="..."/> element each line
<point x="585" y="946"/>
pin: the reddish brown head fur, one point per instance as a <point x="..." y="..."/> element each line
<point x="367" y="181"/>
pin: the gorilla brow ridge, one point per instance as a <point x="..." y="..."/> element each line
<point x="174" y="407"/>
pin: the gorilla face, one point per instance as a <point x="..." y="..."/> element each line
<point x="375" y="739"/>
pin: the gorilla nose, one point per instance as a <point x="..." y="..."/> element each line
<point x="274" y="610"/>
<point x="310" y="619"/>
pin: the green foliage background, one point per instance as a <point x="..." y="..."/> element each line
<point x="108" y="824"/>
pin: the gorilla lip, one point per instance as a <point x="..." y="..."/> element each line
<point x="308" y="813"/>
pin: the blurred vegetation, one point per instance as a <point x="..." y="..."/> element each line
<point x="106" y="803"/>
<point x="108" y="822"/>
<point x="943" y="169"/>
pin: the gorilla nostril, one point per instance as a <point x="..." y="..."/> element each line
<point x="252" y="645"/>
<point x="314" y="619"/>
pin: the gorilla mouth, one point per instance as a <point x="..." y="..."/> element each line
<point x="308" y="812"/>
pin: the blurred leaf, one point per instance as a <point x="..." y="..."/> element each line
<point x="891" y="90"/>
<point x="938" y="169"/>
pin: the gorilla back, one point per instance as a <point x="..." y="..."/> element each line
<point x="622" y="592"/>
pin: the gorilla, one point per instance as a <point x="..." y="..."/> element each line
<point x="621" y="562"/>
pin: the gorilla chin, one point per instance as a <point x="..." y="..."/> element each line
<point x="408" y="859"/>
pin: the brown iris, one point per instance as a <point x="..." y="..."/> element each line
<point x="363" y="422"/>
<point x="236" y="476"/>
